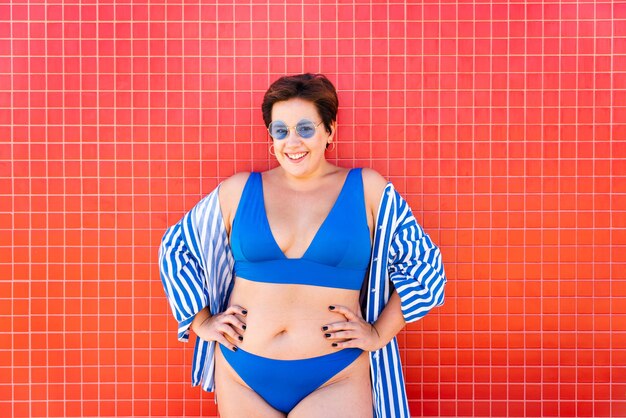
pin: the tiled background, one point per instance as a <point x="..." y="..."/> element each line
<point x="503" y="123"/>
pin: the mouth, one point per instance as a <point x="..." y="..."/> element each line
<point x="296" y="156"/>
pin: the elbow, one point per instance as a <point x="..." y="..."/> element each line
<point x="440" y="297"/>
<point x="419" y="300"/>
<point x="439" y="289"/>
<point x="440" y="284"/>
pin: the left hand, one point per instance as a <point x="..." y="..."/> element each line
<point x="355" y="332"/>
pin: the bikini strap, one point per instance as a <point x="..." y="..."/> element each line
<point x="251" y="200"/>
<point x="353" y="194"/>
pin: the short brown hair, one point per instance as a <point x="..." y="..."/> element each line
<point x="315" y="88"/>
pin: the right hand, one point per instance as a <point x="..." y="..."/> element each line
<point x="226" y="327"/>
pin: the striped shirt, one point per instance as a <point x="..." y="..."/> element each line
<point x="196" y="265"/>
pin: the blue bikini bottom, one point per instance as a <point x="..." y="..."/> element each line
<point x="284" y="383"/>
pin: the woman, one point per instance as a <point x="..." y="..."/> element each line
<point x="271" y="267"/>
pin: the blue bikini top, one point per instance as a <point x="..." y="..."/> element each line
<point x="338" y="256"/>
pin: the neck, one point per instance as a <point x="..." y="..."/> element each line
<point x="308" y="180"/>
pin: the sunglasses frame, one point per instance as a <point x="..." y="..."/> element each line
<point x="295" y="129"/>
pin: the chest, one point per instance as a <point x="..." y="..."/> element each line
<point x="294" y="218"/>
<point x="326" y="225"/>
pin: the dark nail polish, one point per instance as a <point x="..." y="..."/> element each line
<point x="234" y="348"/>
<point x="334" y="344"/>
<point x="240" y="338"/>
<point x="331" y="308"/>
<point x="327" y="335"/>
<point x="324" y="328"/>
<point x="244" y="312"/>
<point x="244" y="327"/>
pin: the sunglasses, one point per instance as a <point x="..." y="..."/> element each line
<point x="304" y="128"/>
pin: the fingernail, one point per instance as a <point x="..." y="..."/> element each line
<point x="244" y="312"/>
<point x="244" y="327"/>
<point x="324" y="328"/>
<point x="234" y="348"/>
<point x="331" y="308"/>
<point x="327" y="335"/>
<point x="334" y="344"/>
<point x="240" y="338"/>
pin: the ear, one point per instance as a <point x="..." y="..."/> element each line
<point x="333" y="129"/>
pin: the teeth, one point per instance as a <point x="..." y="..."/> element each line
<point x="296" y="156"/>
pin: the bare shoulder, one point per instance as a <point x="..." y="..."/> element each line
<point x="234" y="183"/>
<point x="373" y="183"/>
<point x="373" y="186"/>
<point x="230" y="194"/>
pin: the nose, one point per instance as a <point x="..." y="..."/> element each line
<point x="292" y="135"/>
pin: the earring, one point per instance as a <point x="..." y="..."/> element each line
<point x="272" y="153"/>
<point x="332" y="144"/>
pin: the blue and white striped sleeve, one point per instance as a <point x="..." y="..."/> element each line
<point x="415" y="266"/>
<point x="182" y="264"/>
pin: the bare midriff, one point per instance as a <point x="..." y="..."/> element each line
<point x="285" y="321"/>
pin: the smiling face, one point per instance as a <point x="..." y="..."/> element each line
<point x="300" y="157"/>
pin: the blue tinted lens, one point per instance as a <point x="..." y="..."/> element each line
<point x="278" y="130"/>
<point x="305" y="128"/>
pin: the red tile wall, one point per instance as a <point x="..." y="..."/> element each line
<point x="503" y="123"/>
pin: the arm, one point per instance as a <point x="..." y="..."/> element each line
<point x="196" y="264"/>
<point x="182" y="265"/>
<point x="225" y="327"/>
<point x="389" y="323"/>
<point x="356" y="332"/>
<point x="414" y="268"/>
<point x="370" y="337"/>
<point x="200" y="318"/>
